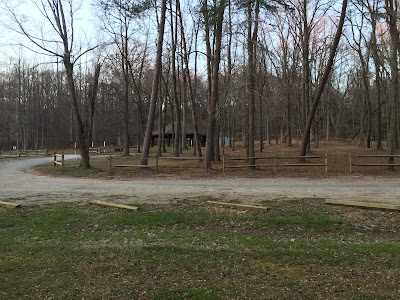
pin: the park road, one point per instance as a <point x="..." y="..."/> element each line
<point x="20" y="186"/>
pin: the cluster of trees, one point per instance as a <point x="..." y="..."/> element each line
<point x="253" y="70"/>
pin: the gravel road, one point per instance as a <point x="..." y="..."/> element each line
<point x="20" y="186"/>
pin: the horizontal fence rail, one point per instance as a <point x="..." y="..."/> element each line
<point x="357" y="160"/>
<point x="276" y="161"/>
<point x="110" y="165"/>
<point x="179" y="158"/>
<point x="19" y="153"/>
<point x="157" y="165"/>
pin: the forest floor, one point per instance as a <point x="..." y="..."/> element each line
<point x="338" y="156"/>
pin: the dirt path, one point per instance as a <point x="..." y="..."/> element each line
<point x="18" y="185"/>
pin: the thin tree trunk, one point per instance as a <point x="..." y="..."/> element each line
<point x="197" y="145"/>
<point x="391" y="8"/>
<point x="251" y="82"/>
<point x="155" y="87"/>
<point x="213" y="74"/>
<point x="324" y="80"/>
<point x="174" y="95"/>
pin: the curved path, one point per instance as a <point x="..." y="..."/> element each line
<point x="18" y="185"/>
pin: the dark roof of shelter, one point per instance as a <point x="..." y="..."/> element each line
<point x="189" y="128"/>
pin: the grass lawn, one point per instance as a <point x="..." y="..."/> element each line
<point x="299" y="249"/>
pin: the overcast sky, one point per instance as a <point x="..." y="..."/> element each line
<point x="10" y="41"/>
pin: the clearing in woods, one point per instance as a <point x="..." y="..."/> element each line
<point x="171" y="183"/>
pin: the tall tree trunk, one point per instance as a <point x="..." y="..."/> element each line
<point x="251" y="70"/>
<point x="197" y="145"/>
<point x="126" y="108"/>
<point x="324" y="80"/>
<point x="377" y="63"/>
<point x="125" y="72"/>
<point x="213" y="74"/>
<point x="174" y="95"/>
<point x="306" y="78"/>
<point x="83" y="142"/>
<point x="155" y="87"/>
<point x="391" y="9"/>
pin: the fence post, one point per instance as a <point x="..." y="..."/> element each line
<point x="62" y="159"/>
<point x="326" y="162"/>
<point x="109" y="166"/>
<point x="55" y="158"/>
<point x="350" y="162"/>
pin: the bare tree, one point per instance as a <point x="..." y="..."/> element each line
<point x="155" y="86"/>
<point x="177" y="107"/>
<point x="117" y="17"/>
<point x="190" y="85"/>
<point x="61" y="20"/>
<point x="391" y="7"/>
<point x="324" y="79"/>
<point x="253" y="7"/>
<point x="373" y="10"/>
<point x="360" y="44"/>
<point x="213" y="22"/>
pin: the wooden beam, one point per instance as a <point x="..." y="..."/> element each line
<point x="10" y="205"/>
<point x="236" y="206"/>
<point x="131" y="166"/>
<point x="113" y="205"/>
<point x="365" y="205"/>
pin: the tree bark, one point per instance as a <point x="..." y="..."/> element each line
<point x="177" y="132"/>
<point x="213" y="71"/>
<point x="323" y="81"/>
<point x="391" y="9"/>
<point x="155" y="87"/>
<point x="251" y="73"/>
<point x="189" y="81"/>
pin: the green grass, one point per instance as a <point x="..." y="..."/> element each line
<point x="298" y="249"/>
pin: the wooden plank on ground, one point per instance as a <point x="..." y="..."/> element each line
<point x="236" y="206"/>
<point x="113" y="205"/>
<point x="9" y="204"/>
<point x="365" y="205"/>
<point x="131" y="166"/>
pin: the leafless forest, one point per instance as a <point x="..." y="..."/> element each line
<point x="251" y="71"/>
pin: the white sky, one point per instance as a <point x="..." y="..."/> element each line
<point x="10" y="41"/>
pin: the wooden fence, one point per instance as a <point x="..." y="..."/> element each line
<point x="110" y="166"/>
<point x="58" y="159"/>
<point x="180" y="158"/>
<point x="157" y="162"/>
<point x="101" y="150"/>
<point x="276" y="162"/>
<point x="357" y="160"/>
<point x="20" y="153"/>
